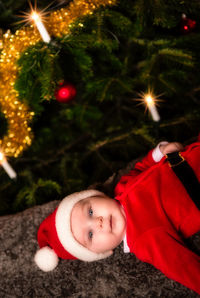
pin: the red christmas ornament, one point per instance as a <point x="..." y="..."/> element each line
<point x="187" y="25"/>
<point x="65" y="92"/>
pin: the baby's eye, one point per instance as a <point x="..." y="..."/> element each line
<point x="90" y="235"/>
<point x="90" y="211"/>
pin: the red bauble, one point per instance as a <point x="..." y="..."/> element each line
<point x="65" y="92"/>
<point x="187" y="25"/>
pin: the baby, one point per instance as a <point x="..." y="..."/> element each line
<point x="154" y="210"/>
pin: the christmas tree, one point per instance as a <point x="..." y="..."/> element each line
<point x="73" y="108"/>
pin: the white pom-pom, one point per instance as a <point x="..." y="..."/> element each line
<point x="46" y="259"/>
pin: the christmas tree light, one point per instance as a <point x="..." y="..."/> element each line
<point x="152" y="107"/>
<point x="150" y="100"/>
<point x="40" y="26"/>
<point x="7" y="167"/>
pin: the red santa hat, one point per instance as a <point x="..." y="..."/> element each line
<point x="55" y="237"/>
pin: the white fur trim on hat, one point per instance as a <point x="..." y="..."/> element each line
<point x="46" y="259"/>
<point x="63" y="227"/>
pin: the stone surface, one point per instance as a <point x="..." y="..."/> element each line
<point x="121" y="275"/>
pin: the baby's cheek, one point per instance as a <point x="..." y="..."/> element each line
<point x="103" y="242"/>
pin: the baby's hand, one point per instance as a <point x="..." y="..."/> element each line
<point x="171" y="147"/>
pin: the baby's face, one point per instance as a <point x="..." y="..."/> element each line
<point x="98" y="223"/>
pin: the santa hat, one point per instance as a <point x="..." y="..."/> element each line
<point x="55" y="237"/>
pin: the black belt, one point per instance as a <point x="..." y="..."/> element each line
<point x="186" y="175"/>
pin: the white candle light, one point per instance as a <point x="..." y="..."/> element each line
<point x="40" y="26"/>
<point x="7" y="167"/>
<point x="152" y="107"/>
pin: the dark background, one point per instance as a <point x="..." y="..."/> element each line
<point x="119" y="52"/>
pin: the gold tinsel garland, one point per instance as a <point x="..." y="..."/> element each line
<point x="18" y="115"/>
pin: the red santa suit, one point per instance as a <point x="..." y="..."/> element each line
<point x="160" y="214"/>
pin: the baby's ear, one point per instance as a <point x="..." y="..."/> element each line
<point x="110" y="252"/>
<point x="106" y="254"/>
<point x="103" y="255"/>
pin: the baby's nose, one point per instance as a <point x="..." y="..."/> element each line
<point x="100" y="222"/>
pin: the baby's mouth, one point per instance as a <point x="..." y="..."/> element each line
<point x="111" y="222"/>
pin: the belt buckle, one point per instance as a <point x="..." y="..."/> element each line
<point x="178" y="162"/>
